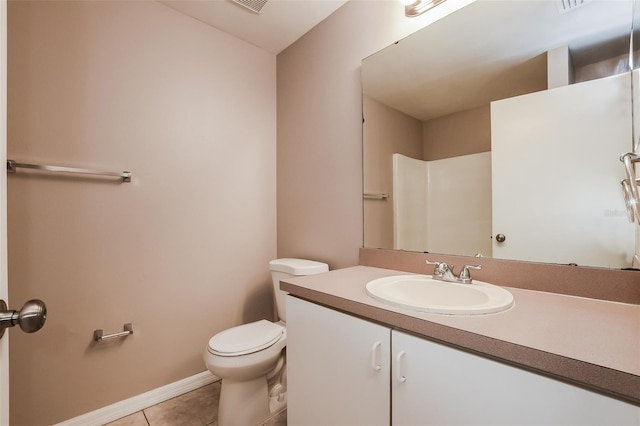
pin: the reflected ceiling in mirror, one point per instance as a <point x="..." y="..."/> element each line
<point x="429" y="97"/>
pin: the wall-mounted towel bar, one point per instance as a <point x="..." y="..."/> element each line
<point x="13" y="165"/>
<point x="375" y="196"/>
<point x="631" y="186"/>
<point x="98" y="335"/>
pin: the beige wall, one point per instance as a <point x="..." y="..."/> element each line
<point x="182" y="251"/>
<point x="320" y="127"/>
<point x="460" y="133"/>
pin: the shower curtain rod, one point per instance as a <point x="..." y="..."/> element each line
<point x="12" y="166"/>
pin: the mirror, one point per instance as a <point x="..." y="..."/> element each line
<point x="498" y="130"/>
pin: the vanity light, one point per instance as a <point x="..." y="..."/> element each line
<point x="418" y="7"/>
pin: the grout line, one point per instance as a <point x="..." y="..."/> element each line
<point x="145" y="418"/>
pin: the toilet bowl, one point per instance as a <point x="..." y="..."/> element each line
<point x="243" y="356"/>
<point x="251" y="358"/>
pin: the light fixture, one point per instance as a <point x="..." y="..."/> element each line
<point x="418" y="7"/>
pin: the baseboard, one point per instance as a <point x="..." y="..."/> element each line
<point x="129" y="406"/>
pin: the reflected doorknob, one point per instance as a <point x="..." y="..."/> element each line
<point x="31" y="317"/>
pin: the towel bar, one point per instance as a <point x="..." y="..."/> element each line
<point x="630" y="186"/>
<point x="13" y="165"/>
<point x="375" y="196"/>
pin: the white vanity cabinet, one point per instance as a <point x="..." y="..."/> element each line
<point x="343" y="370"/>
<point x="434" y="384"/>
<point x="338" y="368"/>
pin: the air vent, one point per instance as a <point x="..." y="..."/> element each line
<point x="567" y="5"/>
<point x="253" y="5"/>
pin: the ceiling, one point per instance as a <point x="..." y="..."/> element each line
<point x="279" y="24"/>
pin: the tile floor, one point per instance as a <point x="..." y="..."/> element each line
<point x="195" y="408"/>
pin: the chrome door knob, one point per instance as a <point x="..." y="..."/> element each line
<point x="501" y="238"/>
<point x="31" y="317"/>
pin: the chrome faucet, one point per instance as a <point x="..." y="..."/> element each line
<point x="444" y="272"/>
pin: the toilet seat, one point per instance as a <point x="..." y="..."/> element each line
<point x="245" y="339"/>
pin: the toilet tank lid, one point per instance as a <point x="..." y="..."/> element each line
<point x="298" y="266"/>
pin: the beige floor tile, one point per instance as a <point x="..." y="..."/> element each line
<point x="136" y="419"/>
<point x="279" y="419"/>
<point x="196" y="408"/>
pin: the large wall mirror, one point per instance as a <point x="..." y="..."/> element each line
<point x="498" y="130"/>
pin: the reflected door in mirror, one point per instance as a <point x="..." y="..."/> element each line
<point x="549" y="177"/>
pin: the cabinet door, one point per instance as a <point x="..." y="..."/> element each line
<point x="433" y="384"/>
<point x="337" y="368"/>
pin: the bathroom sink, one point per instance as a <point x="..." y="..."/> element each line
<point x="423" y="293"/>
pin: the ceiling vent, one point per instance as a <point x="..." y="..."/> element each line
<point x="567" y="5"/>
<point x="253" y="5"/>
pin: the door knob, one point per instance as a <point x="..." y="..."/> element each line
<point x="31" y="317"/>
<point x="501" y="238"/>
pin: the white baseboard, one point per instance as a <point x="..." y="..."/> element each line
<point x="129" y="406"/>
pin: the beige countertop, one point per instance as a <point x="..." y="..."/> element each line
<point x="589" y="342"/>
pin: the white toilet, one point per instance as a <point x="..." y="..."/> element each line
<point x="250" y="358"/>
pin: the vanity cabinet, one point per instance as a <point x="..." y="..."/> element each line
<point x="344" y="370"/>
<point x="434" y="384"/>
<point x="338" y="368"/>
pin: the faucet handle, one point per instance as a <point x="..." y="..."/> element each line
<point x="465" y="275"/>
<point x="440" y="268"/>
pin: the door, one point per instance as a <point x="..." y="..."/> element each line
<point x="561" y="148"/>
<point x="337" y="368"/>
<point x="434" y="384"/>
<point x="33" y="314"/>
<point x="4" y="343"/>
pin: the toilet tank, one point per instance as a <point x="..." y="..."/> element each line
<point x="288" y="267"/>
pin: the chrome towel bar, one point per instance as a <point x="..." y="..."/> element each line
<point x="98" y="335"/>
<point x="375" y="196"/>
<point x="631" y="186"/>
<point x="13" y="165"/>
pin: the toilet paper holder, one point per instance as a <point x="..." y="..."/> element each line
<point x="99" y="336"/>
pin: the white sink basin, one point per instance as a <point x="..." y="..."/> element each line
<point x="423" y="293"/>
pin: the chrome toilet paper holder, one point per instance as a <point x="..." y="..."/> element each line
<point x="99" y="336"/>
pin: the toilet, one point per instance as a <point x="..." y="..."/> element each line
<point x="250" y="358"/>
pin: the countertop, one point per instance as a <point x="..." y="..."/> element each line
<point x="589" y="342"/>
